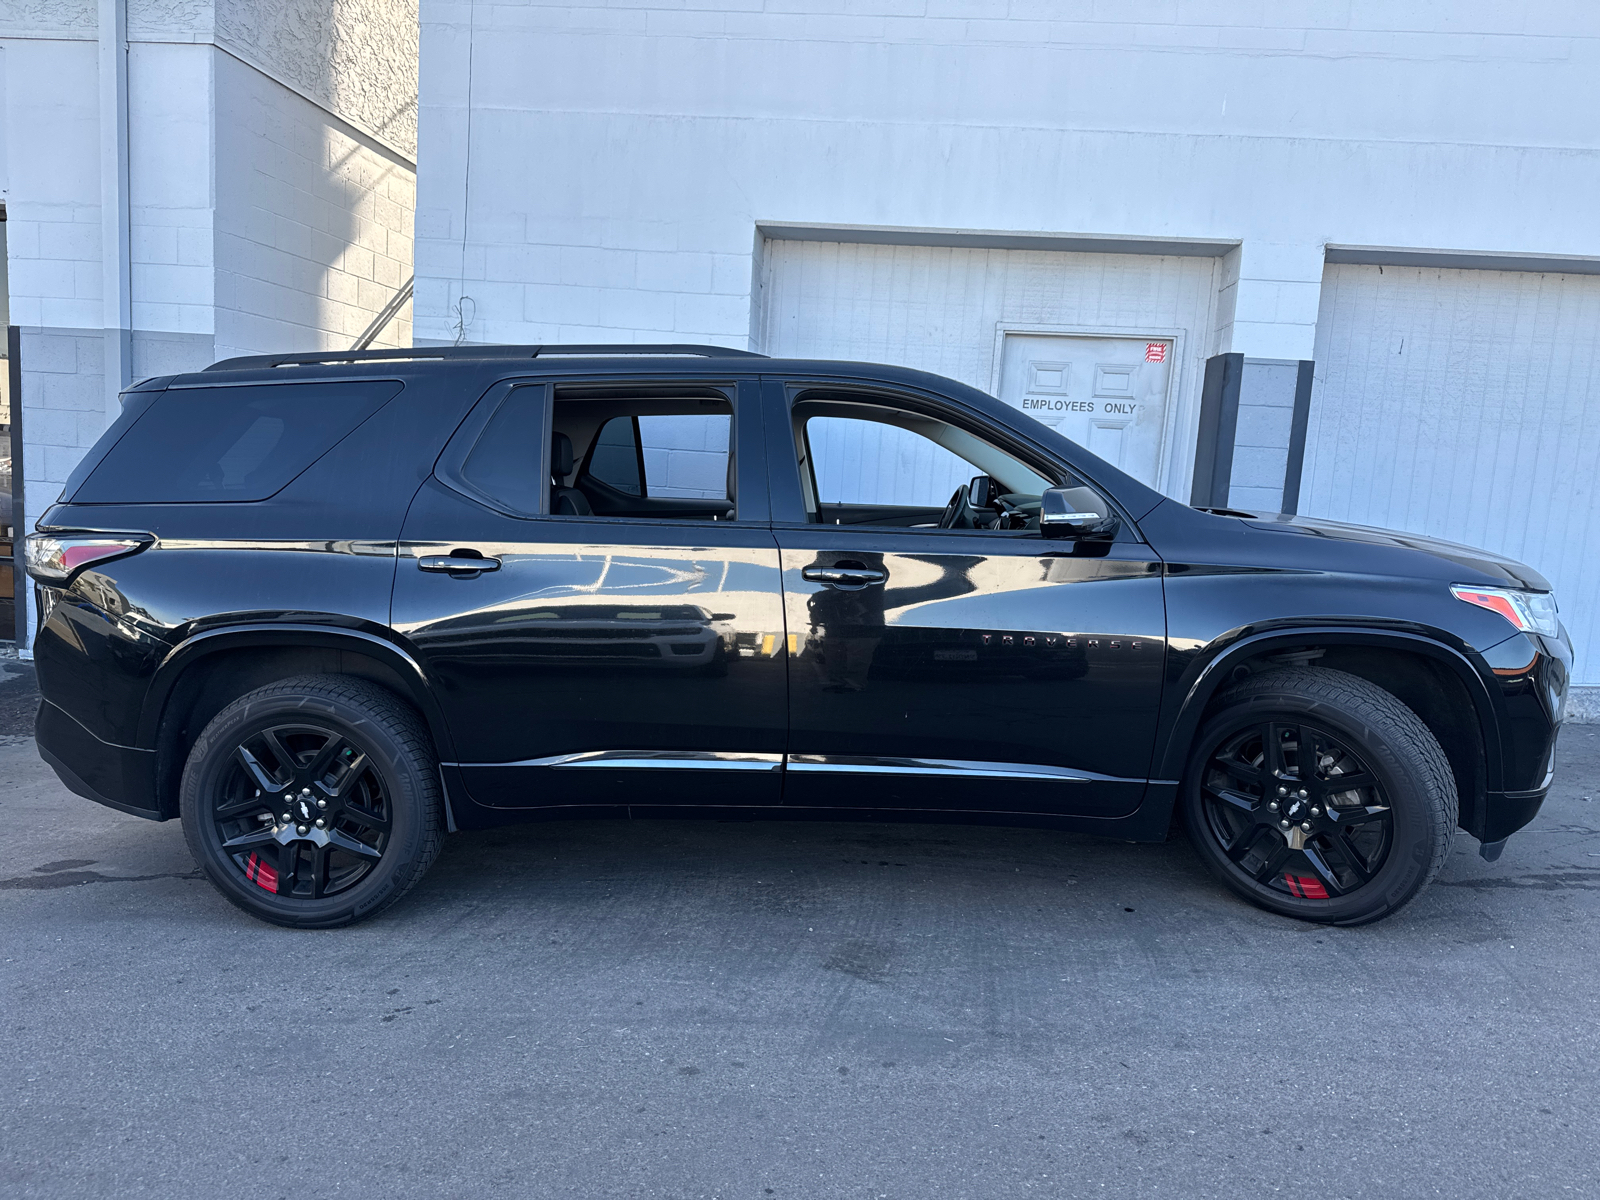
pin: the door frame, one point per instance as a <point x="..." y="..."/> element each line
<point x="1171" y="466"/>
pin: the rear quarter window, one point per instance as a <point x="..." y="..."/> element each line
<point x="229" y="443"/>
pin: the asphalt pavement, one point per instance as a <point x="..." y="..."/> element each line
<point x="686" y="1010"/>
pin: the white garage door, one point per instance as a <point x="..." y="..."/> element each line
<point x="1127" y="333"/>
<point x="1463" y="404"/>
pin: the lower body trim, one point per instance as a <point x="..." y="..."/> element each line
<point x="664" y="779"/>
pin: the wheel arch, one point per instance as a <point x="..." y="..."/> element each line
<point x="1436" y="681"/>
<point x="207" y="671"/>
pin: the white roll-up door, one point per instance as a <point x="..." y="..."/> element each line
<point x="1463" y="404"/>
<point x="1140" y="319"/>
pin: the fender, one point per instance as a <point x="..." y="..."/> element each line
<point x="1199" y="685"/>
<point x="257" y="634"/>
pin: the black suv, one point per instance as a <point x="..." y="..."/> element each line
<point x="327" y="607"/>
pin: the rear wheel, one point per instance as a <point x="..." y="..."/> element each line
<point x="313" y="802"/>
<point x="1318" y="795"/>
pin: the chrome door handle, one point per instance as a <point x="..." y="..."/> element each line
<point x="456" y="564"/>
<point x="844" y="576"/>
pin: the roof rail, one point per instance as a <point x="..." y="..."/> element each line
<point x="252" y="362"/>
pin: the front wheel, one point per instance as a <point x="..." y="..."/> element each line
<point x="1318" y="795"/>
<point x="313" y="802"/>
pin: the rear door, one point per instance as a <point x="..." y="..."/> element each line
<point x="982" y="669"/>
<point x="622" y="643"/>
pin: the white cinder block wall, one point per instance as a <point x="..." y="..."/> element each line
<point x="621" y="155"/>
<point x="271" y="186"/>
<point x="53" y="246"/>
<point x="605" y="172"/>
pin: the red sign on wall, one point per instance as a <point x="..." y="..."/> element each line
<point x="1155" y="352"/>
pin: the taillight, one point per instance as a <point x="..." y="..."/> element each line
<point x="54" y="558"/>
<point x="1531" y="612"/>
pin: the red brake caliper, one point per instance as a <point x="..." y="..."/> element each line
<point x="1306" y="887"/>
<point x="261" y="873"/>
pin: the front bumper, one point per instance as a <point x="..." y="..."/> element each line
<point x="1531" y="675"/>
<point x="1507" y="812"/>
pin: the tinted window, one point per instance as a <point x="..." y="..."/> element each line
<point x="868" y="462"/>
<point x="504" y="462"/>
<point x="686" y="455"/>
<point x="229" y="443"/>
<point x="871" y="464"/>
<point x="615" y="459"/>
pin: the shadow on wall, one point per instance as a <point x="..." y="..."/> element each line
<point x="316" y="236"/>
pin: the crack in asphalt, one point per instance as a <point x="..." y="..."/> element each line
<point x="1553" y="881"/>
<point x="61" y="879"/>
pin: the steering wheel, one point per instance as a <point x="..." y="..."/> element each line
<point x="958" y="514"/>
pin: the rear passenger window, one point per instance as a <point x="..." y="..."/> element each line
<point x="504" y="462"/>
<point x="653" y="454"/>
<point x="230" y="443"/>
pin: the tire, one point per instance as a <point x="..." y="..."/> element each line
<point x="351" y="766"/>
<point x="1374" y="819"/>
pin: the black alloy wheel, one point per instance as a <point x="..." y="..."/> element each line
<point x="1319" y="795"/>
<point x="1297" y="810"/>
<point x="303" y="812"/>
<point x="313" y="802"/>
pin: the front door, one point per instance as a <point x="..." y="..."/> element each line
<point x="942" y="660"/>
<point x="590" y="582"/>
<point x="1109" y="394"/>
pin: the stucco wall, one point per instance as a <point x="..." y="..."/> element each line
<point x="17" y="16"/>
<point x="357" y="57"/>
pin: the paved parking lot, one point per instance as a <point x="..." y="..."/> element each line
<point x="688" y="1010"/>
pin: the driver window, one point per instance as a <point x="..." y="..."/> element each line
<point x="870" y="464"/>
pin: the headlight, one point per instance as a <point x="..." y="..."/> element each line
<point x="54" y="558"/>
<point x="1531" y="612"/>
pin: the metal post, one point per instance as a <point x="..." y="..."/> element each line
<point x="19" y="528"/>
<point x="114" y="208"/>
<point x="1219" y="420"/>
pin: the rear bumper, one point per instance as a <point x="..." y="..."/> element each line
<point x="119" y="777"/>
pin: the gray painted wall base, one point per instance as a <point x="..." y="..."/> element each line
<point x="171" y="353"/>
<point x="1583" y="706"/>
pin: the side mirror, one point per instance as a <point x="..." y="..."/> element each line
<point x="1075" y="512"/>
<point x="981" y="492"/>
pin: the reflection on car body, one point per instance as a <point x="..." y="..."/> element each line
<point x="672" y="637"/>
